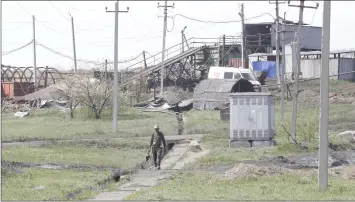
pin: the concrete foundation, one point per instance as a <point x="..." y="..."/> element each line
<point x="251" y="143"/>
<point x="263" y="143"/>
<point x="239" y="144"/>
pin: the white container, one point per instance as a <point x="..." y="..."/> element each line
<point x="252" y="116"/>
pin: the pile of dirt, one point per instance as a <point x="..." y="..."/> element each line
<point x="242" y="170"/>
<point x="49" y="93"/>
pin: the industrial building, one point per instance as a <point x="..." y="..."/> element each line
<point x="260" y="37"/>
<point x="340" y="63"/>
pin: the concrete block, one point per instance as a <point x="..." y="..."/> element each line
<point x="263" y="143"/>
<point x="239" y="144"/>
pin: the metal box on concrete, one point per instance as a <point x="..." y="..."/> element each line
<point x="252" y="116"/>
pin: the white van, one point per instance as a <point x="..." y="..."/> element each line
<point x="232" y="73"/>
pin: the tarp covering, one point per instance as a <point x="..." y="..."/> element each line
<point x="266" y="66"/>
<point x="211" y="93"/>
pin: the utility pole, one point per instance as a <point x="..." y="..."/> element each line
<point x="297" y="69"/>
<point x="106" y="69"/>
<point x="283" y="69"/>
<point x="183" y="39"/>
<point x="34" y="53"/>
<point x="324" y="102"/>
<point x="115" y="65"/>
<point x="279" y="73"/>
<point x="296" y="75"/>
<point x="74" y="50"/>
<point x="241" y="14"/>
<point x="163" y="49"/>
<point x="145" y="61"/>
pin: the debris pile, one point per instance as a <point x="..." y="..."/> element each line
<point x="242" y="170"/>
<point x="50" y="97"/>
<point x="172" y="99"/>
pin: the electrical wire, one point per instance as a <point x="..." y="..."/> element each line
<point x="85" y="61"/>
<point x="215" y="22"/>
<point x="65" y="18"/>
<point x="17" y="49"/>
<point x="23" y="9"/>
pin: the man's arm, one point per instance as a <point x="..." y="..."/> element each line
<point x="151" y="141"/>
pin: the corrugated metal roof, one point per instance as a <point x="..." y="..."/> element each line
<point x="210" y="93"/>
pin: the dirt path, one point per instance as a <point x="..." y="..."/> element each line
<point x="169" y="139"/>
<point x="175" y="159"/>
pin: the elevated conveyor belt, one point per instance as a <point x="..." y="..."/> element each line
<point x="167" y="63"/>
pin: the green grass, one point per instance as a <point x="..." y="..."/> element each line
<point x="52" y="124"/>
<point x="57" y="184"/>
<point x="203" y="186"/>
<point x="55" y="125"/>
<point x="123" y="154"/>
<point x="307" y="134"/>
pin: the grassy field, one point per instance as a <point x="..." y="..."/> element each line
<point x="289" y="186"/>
<point x="56" y="184"/>
<point x="121" y="154"/>
<point x="53" y="124"/>
<point x="203" y="186"/>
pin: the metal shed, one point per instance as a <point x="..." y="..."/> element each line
<point x="210" y="94"/>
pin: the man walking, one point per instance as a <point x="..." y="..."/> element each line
<point x="156" y="143"/>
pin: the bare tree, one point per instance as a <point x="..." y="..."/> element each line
<point x="71" y="88"/>
<point x="3" y="104"/>
<point x="95" y="92"/>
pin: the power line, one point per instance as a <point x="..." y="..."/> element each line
<point x="86" y="61"/>
<point x="23" y="9"/>
<point x="215" y="22"/>
<point x="17" y="49"/>
<point x="59" y="12"/>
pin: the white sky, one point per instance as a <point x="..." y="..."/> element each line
<point x="140" y="29"/>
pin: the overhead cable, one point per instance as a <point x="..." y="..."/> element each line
<point x="215" y="22"/>
<point x="17" y="49"/>
<point x="85" y="61"/>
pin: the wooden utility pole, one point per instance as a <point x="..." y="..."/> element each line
<point x="241" y="14"/>
<point x="163" y="49"/>
<point x="106" y="69"/>
<point x="74" y="50"/>
<point x="324" y="102"/>
<point x="34" y="53"/>
<point x="297" y="70"/>
<point x="145" y="61"/>
<point x="115" y="65"/>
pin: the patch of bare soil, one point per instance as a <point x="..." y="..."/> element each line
<point x="345" y="172"/>
<point x="243" y="170"/>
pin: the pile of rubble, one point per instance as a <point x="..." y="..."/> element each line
<point x="50" y="97"/>
<point x="172" y="99"/>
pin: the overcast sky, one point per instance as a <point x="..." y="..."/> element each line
<point x="140" y="29"/>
